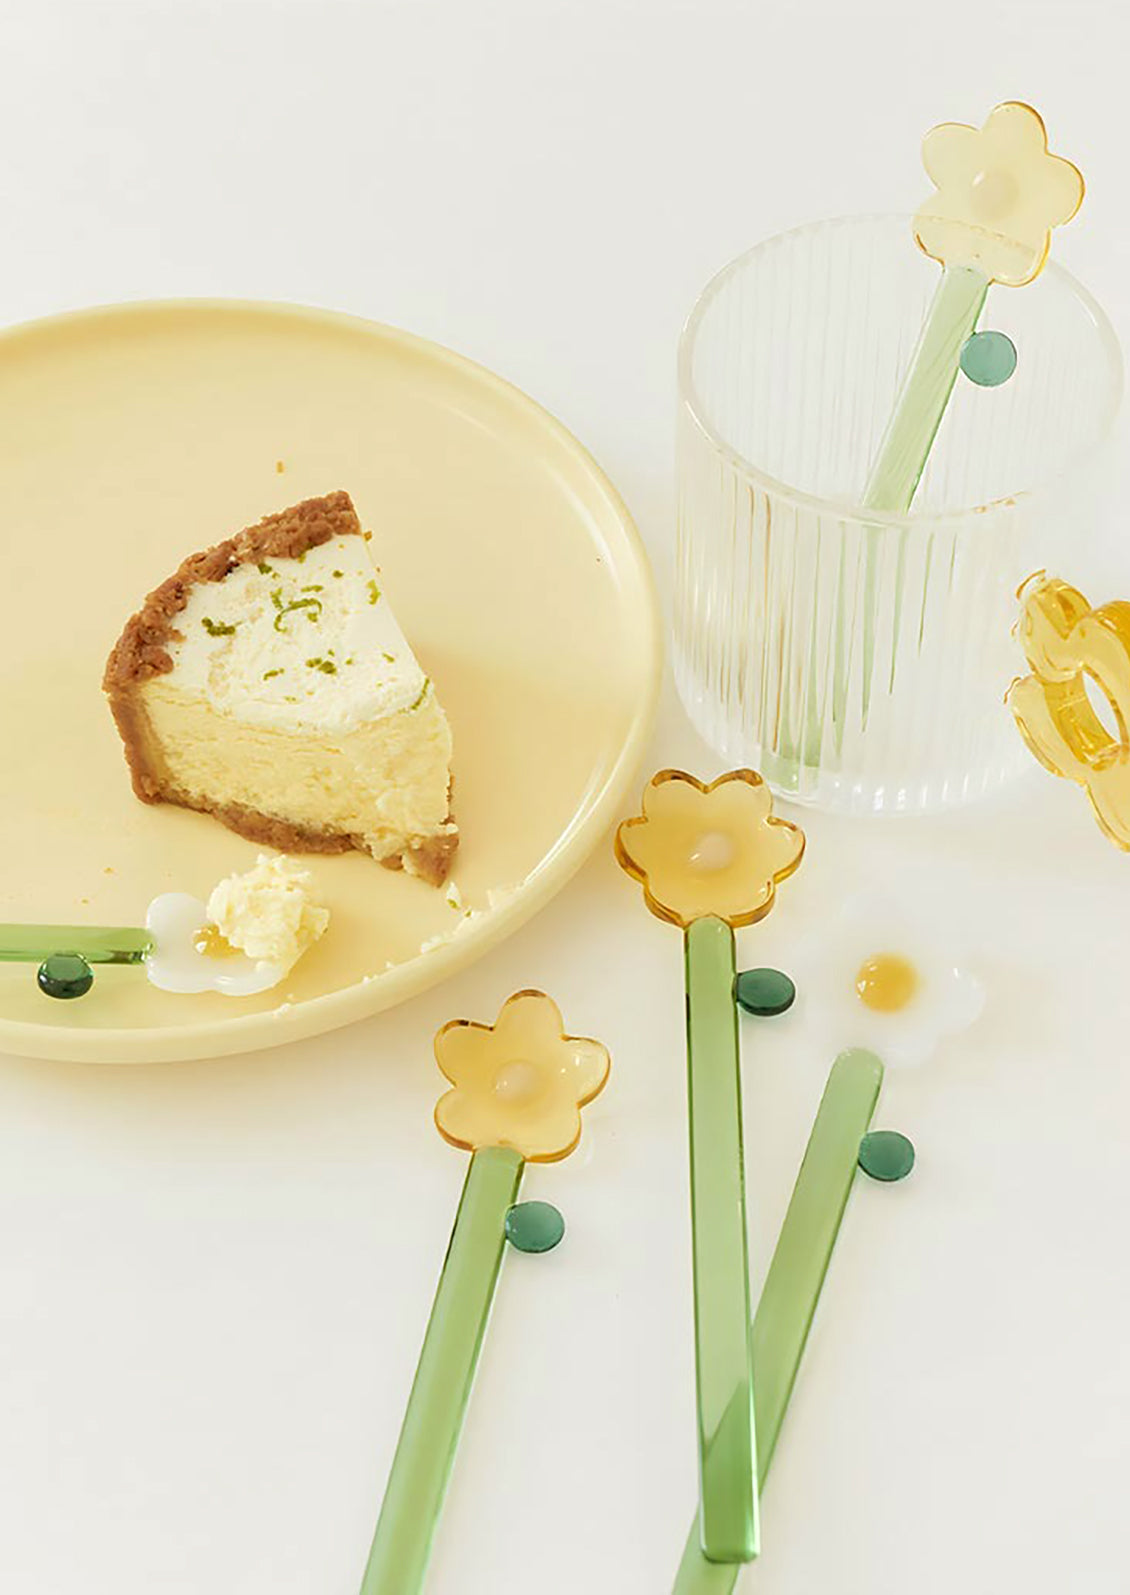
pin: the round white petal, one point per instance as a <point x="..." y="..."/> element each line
<point x="244" y="977"/>
<point x="965" y="1000"/>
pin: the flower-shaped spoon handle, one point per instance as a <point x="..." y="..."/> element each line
<point x="709" y="858"/>
<point x="796" y="1275"/>
<point x="517" y="1090"/>
<point x="998" y="194"/>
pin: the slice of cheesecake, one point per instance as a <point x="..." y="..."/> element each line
<point x="267" y="683"/>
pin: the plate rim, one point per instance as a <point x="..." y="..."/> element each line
<point x="216" y="1038"/>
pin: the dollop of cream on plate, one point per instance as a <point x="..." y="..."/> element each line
<point x="248" y="937"/>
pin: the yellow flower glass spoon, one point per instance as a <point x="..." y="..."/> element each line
<point x="709" y="858"/>
<point x="517" y="1090"/>
<point x="998" y="193"/>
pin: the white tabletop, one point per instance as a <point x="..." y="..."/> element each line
<point x="214" y="1278"/>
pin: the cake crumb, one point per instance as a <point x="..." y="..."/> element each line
<point x="279" y="467"/>
<point x="467" y="918"/>
<point x="109" y="870"/>
<point x="453" y="895"/>
<point x="497" y="897"/>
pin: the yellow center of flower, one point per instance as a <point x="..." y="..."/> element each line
<point x="518" y="1083"/>
<point x="886" y="982"/>
<point x="209" y="942"/>
<point x="713" y="851"/>
<point x="993" y="195"/>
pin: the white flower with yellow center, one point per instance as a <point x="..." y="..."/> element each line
<point x="888" y="981"/>
<point x="246" y="939"/>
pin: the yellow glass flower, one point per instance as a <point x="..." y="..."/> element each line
<point x="519" y="1083"/>
<point x="999" y="194"/>
<point x="714" y="850"/>
<point x="1067" y="643"/>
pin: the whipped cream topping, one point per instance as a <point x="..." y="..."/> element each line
<point x="299" y="644"/>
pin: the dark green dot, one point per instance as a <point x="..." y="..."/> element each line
<point x="764" y="991"/>
<point x="886" y="1155"/>
<point x="65" y="975"/>
<point x="988" y="358"/>
<point x="534" y="1226"/>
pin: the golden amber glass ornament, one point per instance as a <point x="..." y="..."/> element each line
<point x="999" y="193"/>
<point x="708" y="850"/>
<point x="519" y="1083"/>
<point x="1068" y="644"/>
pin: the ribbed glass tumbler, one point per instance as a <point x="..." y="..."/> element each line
<point x="859" y="659"/>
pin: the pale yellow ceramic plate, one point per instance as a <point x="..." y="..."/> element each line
<point x="132" y="435"/>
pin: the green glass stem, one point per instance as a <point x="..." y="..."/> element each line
<point x="430" y="1432"/>
<point x="98" y="944"/>
<point x="723" y="1343"/>
<point x="796" y="1274"/>
<point x="952" y="317"/>
<point x="910" y="435"/>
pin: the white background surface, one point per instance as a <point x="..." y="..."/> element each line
<point x="214" y="1278"/>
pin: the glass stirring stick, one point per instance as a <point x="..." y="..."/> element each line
<point x="796" y="1275"/>
<point x="709" y="858"/>
<point x="178" y="949"/>
<point x="98" y="944"/>
<point x="999" y="192"/>
<point x="518" y="1087"/>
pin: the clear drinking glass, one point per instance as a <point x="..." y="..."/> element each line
<point x="859" y="659"/>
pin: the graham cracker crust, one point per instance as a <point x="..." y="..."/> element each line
<point x="430" y="858"/>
